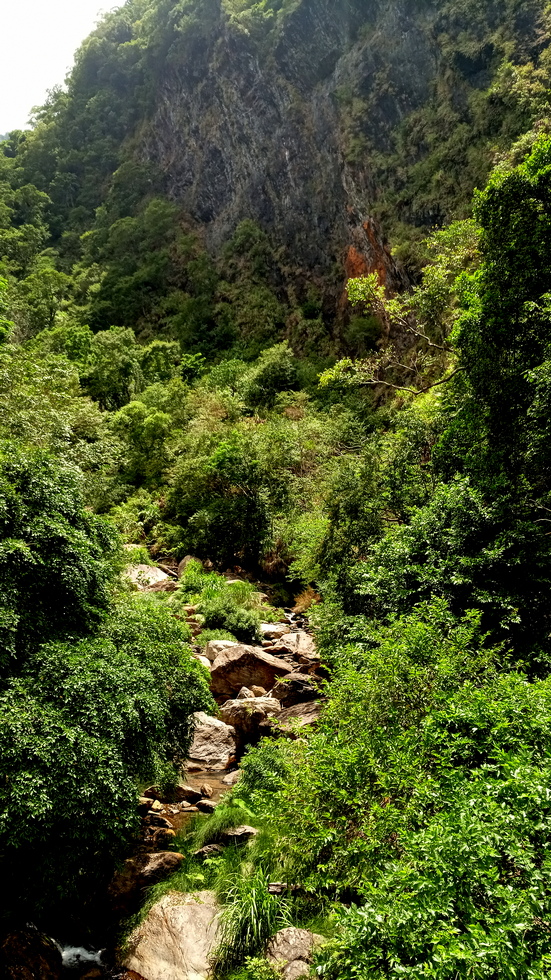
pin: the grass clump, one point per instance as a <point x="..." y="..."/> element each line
<point x="249" y="918"/>
<point x="231" y="609"/>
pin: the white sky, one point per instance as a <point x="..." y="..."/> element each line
<point x="38" y="39"/>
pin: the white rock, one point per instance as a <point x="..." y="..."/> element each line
<point x="176" y="939"/>
<point x="215" y="647"/>
<point x="246" y="714"/>
<point x="291" y="951"/>
<point x="144" y="575"/>
<point x="274" y="631"/>
<point x="214" y="742"/>
<point x="203" y="660"/>
<point x="232" y="777"/>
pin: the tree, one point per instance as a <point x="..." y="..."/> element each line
<point x="84" y="721"/>
<point x="56" y="559"/>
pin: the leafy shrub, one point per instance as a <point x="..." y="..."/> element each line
<point x="231" y="607"/>
<point x="254" y="968"/>
<point x="224" y="613"/>
<point x="464" y="893"/>
<point x="275" y="371"/>
<point x="77" y="729"/>
<point x="56" y="559"/>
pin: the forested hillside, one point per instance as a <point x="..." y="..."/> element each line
<point x="275" y="292"/>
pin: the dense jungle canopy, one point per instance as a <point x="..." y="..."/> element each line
<point x="275" y="292"/>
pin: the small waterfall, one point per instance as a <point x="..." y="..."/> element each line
<point x="77" y="957"/>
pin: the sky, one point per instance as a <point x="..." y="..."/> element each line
<point x="38" y="39"/>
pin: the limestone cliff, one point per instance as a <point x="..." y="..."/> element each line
<point x="281" y="124"/>
<point x="241" y="132"/>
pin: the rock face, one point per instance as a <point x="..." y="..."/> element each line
<point x="214" y="743"/>
<point x="28" y="955"/>
<point x="137" y="873"/>
<point x="176" y="939"/>
<point x="246" y="714"/>
<point x="291" y="951"/>
<point x="242" y="666"/>
<point x="296" y="688"/>
<point x="246" y="127"/>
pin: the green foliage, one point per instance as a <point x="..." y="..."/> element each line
<point x="250" y="916"/>
<point x="217" y="498"/>
<point x="465" y="892"/>
<point x="205" y="636"/>
<point x="6" y="324"/>
<point x="223" y="613"/>
<point x="83" y="723"/>
<point x="56" y="567"/>
<point x="254" y="968"/>
<point x="113" y="374"/>
<point x="145" y="431"/>
<point x="232" y="607"/>
<point x="274" y="372"/>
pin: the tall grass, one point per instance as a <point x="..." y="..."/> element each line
<point x="248" y="919"/>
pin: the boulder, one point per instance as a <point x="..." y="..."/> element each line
<point x="28" y="955"/>
<point x="154" y="820"/>
<point x="291" y="951"/>
<point x="169" y="585"/>
<point x="186" y="794"/>
<point x="232" y="777"/>
<point x="245" y="693"/>
<point x="208" y="851"/>
<point x="214" y="743"/>
<point x="242" y="666"/>
<point x="238" y="835"/>
<point x="247" y="714"/>
<point x="292" y="720"/>
<point x="143" y="576"/>
<point x="298" y="643"/>
<point x="178" y="794"/>
<point x="126" y="888"/>
<point x="184" y="563"/>
<point x="160" y="838"/>
<point x="144" y="803"/>
<point x="206" y="791"/>
<point x="176" y="939"/>
<point x="258" y="692"/>
<point x="202" y="660"/>
<point x="274" y="631"/>
<point x="215" y="647"/>
<point x="206" y="806"/>
<point x="296" y="688"/>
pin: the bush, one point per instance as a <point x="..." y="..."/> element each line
<point x="205" y="636"/>
<point x="78" y="728"/>
<point x="224" y="613"/>
<point x="56" y="559"/>
<point x="254" y="968"/>
<point x="275" y="371"/>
